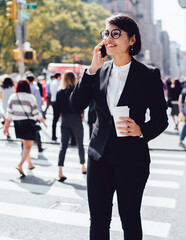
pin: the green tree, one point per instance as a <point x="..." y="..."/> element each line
<point x="63" y="29"/>
<point x="7" y="39"/>
<point x="57" y="30"/>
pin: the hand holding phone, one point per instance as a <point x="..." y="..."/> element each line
<point x="98" y="62"/>
<point x="103" y="51"/>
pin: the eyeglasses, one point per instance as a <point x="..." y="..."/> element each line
<point x="115" y="33"/>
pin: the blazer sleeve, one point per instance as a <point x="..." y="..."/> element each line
<point x="157" y="105"/>
<point x="83" y="93"/>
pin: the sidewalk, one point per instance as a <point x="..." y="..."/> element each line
<point x="167" y="141"/>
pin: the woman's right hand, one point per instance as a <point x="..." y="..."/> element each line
<point x="6" y="127"/>
<point x="97" y="61"/>
<point x="5" y="131"/>
<point x="43" y="121"/>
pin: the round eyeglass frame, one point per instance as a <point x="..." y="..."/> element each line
<point x="110" y="33"/>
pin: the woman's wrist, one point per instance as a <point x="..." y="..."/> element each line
<point x="92" y="70"/>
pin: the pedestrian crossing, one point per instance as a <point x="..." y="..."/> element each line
<point x="66" y="204"/>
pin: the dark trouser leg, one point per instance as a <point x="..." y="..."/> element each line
<point x="100" y="195"/>
<point x="38" y="140"/>
<point x="78" y="133"/>
<point x="55" y="120"/>
<point x="183" y="131"/>
<point x="65" y="135"/>
<point x="130" y="183"/>
<point x="73" y="140"/>
<point x="48" y="103"/>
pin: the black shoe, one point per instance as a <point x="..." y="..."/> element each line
<point x="9" y="138"/>
<point x="62" y="179"/>
<point x="21" y="172"/>
<point x="41" y="149"/>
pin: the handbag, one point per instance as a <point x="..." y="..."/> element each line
<point x="28" y="123"/>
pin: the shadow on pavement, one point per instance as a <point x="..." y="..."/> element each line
<point x="76" y="186"/>
<point x="32" y="184"/>
<point x="171" y="133"/>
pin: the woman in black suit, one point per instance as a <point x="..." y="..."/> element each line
<point x="120" y="164"/>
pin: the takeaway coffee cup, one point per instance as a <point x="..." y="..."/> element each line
<point x="121" y="111"/>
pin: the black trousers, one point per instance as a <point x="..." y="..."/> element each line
<point x="38" y="141"/>
<point x="129" y="182"/>
<point x="48" y="103"/>
<point x="55" y="120"/>
<point x="73" y="124"/>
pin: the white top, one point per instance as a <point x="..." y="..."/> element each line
<point x="6" y="92"/>
<point x="54" y="87"/>
<point x="16" y="111"/>
<point x="116" y="84"/>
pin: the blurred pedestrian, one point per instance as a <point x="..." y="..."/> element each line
<point x="167" y="91"/>
<point x="2" y="116"/>
<point x="54" y="87"/>
<point x="36" y="92"/>
<point x="175" y="90"/>
<point x="71" y="121"/>
<point x="40" y="87"/>
<point x="115" y="163"/>
<point x="22" y="109"/>
<point x="7" y="88"/>
<point x="48" y="97"/>
<point x="182" y="107"/>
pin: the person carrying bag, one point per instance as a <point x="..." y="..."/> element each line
<point x="22" y="109"/>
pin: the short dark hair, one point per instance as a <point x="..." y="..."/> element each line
<point x="30" y="78"/>
<point x="7" y="82"/>
<point x="128" y="25"/>
<point x="57" y="75"/>
<point x="23" y="86"/>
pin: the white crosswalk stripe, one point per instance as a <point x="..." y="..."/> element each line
<point x="168" y="155"/>
<point x="167" y="162"/>
<point x="5" y="238"/>
<point x="163" y="165"/>
<point x="167" y="171"/>
<point x="41" y="189"/>
<point x="70" y="218"/>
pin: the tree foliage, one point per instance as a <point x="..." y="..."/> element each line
<point x="58" y="30"/>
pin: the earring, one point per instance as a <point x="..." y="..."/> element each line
<point x="132" y="49"/>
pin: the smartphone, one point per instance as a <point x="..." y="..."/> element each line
<point x="103" y="51"/>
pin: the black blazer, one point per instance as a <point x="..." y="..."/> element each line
<point x="143" y="89"/>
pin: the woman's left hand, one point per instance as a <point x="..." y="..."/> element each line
<point x="128" y="127"/>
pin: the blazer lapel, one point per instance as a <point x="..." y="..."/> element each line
<point x="105" y="74"/>
<point x="129" y="85"/>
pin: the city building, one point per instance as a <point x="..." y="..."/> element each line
<point x="157" y="50"/>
